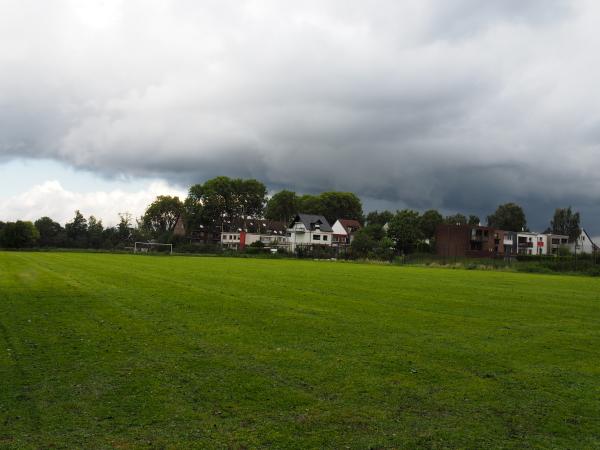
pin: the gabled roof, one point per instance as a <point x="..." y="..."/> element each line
<point x="350" y="224"/>
<point x="310" y="220"/>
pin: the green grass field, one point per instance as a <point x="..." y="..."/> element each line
<point x="123" y="351"/>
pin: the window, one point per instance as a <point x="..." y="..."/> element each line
<point x="324" y="237"/>
<point x="316" y="237"/>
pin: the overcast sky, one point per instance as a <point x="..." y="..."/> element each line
<point x="453" y="104"/>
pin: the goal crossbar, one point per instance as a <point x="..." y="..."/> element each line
<point x="144" y="246"/>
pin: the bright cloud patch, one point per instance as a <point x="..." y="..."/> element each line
<point x="53" y="200"/>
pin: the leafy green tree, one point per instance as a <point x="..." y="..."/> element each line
<point x="250" y="198"/>
<point x="282" y="206"/>
<point x="223" y="200"/>
<point x="194" y="213"/>
<point x="19" y="234"/>
<point x="379" y="218"/>
<point x="405" y="230"/>
<point x="340" y="205"/>
<point x="218" y="199"/>
<point x="52" y="233"/>
<point x="124" y="227"/>
<point x="162" y="215"/>
<point x="310" y="204"/>
<point x="474" y="220"/>
<point x="566" y="222"/>
<point x="429" y="223"/>
<point x="456" y="219"/>
<point x="77" y="230"/>
<point x="332" y="205"/>
<point x="508" y="217"/>
<point x="95" y="230"/>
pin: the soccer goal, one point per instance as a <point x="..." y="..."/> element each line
<point x="148" y="247"/>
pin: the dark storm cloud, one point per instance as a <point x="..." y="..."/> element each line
<point x="458" y="105"/>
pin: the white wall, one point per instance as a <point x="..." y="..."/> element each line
<point x="300" y="236"/>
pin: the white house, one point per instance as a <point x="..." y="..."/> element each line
<point x="309" y="229"/>
<point x="584" y="244"/>
<point x="343" y="231"/>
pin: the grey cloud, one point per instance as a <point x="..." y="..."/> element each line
<point x="458" y="105"/>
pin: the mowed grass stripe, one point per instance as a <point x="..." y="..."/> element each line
<point x="143" y="351"/>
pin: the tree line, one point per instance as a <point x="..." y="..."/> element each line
<point x="224" y="203"/>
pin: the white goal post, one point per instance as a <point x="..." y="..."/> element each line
<point x="146" y="247"/>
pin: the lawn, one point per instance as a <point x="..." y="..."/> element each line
<point x="124" y="351"/>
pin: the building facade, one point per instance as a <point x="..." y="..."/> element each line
<point x="474" y="241"/>
<point x="309" y="230"/>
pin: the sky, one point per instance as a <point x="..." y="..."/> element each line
<point x="458" y="105"/>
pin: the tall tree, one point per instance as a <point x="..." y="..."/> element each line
<point x="95" y="230"/>
<point x="405" y="229"/>
<point x="223" y="201"/>
<point x="218" y="200"/>
<point x="125" y="226"/>
<point x="193" y="210"/>
<point x="341" y="205"/>
<point x="51" y="233"/>
<point x="19" y="234"/>
<point x="77" y="230"/>
<point x="282" y="206"/>
<point x="162" y="215"/>
<point x="566" y="222"/>
<point x="508" y="217"/>
<point x="429" y="223"/>
<point x="249" y="200"/>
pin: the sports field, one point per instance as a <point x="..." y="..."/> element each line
<point x="124" y="351"/>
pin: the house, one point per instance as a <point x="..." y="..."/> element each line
<point x="584" y="244"/>
<point x="473" y="241"/>
<point x="343" y="231"/>
<point x="309" y="230"/>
